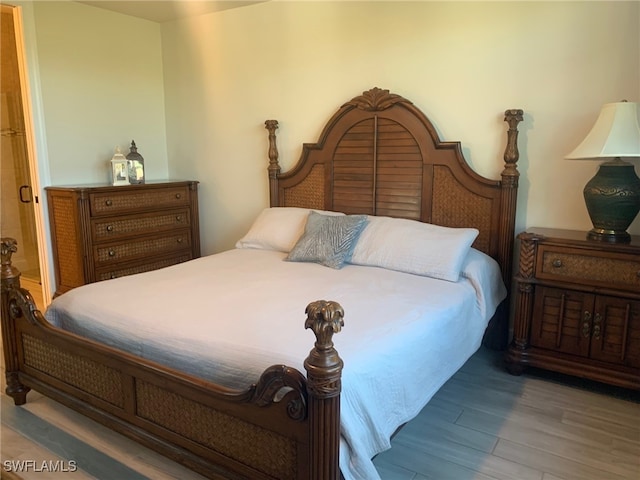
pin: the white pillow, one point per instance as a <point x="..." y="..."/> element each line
<point x="414" y="247"/>
<point x="278" y="228"/>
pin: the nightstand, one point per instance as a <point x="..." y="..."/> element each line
<point x="577" y="307"/>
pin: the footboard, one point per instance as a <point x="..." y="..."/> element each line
<point x="286" y="426"/>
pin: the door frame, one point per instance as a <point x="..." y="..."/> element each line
<point x="32" y="153"/>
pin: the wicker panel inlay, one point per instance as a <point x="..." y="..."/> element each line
<point x="69" y="268"/>
<point x="592" y="268"/>
<point x="455" y="206"/>
<point x="309" y="193"/>
<point x="249" y="444"/>
<point x="114" y="227"/>
<point x="143" y="247"/>
<point x="145" y="267"/>
<point x="126" y="201"/>
<point x="75" y="370"/>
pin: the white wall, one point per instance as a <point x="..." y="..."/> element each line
<point x="95" y="81"/>
<point x="101" y="85"/>
<point x="463" y="64"/>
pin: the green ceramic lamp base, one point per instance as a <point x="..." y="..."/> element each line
<point x="610" y="236"/>
<point x="613" y="201"/>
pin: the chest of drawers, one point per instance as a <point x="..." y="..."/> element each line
<point x="103" y="232"/>
<point x="577" y="307"/>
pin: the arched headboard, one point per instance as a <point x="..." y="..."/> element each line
<point x="380" y="155"/>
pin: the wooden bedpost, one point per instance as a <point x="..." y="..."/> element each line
<point x="274" y="166"/>
<point x="324" y="370"/>
<point x="10" y="281"/>
<point x="509" y="198"/>
<point x="497" y="334"/>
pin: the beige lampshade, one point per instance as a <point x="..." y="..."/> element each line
<point x="616" y="133"/>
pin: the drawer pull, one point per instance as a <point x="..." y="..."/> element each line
<point x="108" y="202"/>
<point x="109" y="228"/>
<point x="597" y="320"/>
<point x="178" y="218"/>
<point x="178" y="196"/>
<point x="113" y="275"/>
<point x="179" y="240"/>
<point x="112" y="253"/>
<point x="557" y="263"/>
<point x="586" y="324"/>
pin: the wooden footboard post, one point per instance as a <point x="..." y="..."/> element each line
<point x="324" y="370"/>
<point x="10" y="281"/>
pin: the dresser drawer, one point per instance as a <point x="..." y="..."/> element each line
<point x="142" y="248"/>
<point x="132" y="268"/>
<point x="588" y="267"/>
<point x="111" y="228"/>
<point x="109" y="203"/>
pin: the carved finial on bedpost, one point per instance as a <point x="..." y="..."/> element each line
<point x="274" y="166"/>
<point x="511" y="154"/>
<point x="323" y="364"/>
<point x="8" y="248"/>
<point x="324" y="370"/>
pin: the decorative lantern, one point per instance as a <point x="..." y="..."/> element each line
<point x="119" y="168"/>
<point x="136" y="165"/>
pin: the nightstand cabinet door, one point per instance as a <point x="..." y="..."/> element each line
<point x="616" y="331"/>
<point x="562" y="320"/>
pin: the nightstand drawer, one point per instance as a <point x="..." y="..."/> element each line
<point x="112" y="228"/>
<point x="117" y="203"/>
<point x="595" y="268"/>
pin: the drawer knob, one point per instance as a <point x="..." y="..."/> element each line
<point x="179" y="240"/>
<point x="113" y="275"/>
<point x="108" y="202"/>
<point x="178" y="218"/>
<point x="557" y="263"/>
<point x="112" y="253"/>
<point x="109" y="228"/>
<point x="586" y="324"/>
<point x="178" y="196"/>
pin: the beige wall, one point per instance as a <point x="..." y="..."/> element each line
<point x="101" y="85"/>
<point x="194" y="93"/>
<point x="95" y="81"/>
<point x="463" y="64"/>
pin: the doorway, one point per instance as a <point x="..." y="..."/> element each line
<point x="19" y="199"/>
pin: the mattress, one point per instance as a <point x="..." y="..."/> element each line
<point x="229" y="316"/>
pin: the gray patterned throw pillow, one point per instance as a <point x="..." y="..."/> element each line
<point x="328" y="240"/>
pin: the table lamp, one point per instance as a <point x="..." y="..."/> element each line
<point x="613" y="195"/>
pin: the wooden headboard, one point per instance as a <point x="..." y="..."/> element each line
<point x="380" y="155"/>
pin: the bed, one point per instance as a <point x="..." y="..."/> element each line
<point x="233" y="402"/>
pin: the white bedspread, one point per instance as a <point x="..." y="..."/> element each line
<point x="227" y="317"/>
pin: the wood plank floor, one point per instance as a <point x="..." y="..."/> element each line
<point x="483" y="424"/>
